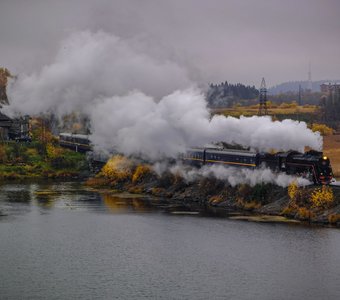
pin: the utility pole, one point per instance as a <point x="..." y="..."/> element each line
<point x="310" y="85"/>
<point x="263" y="99"/>
<point x="300" y="95"/>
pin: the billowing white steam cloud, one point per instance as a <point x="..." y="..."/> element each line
<point x="235" y="176"/>
<point x="91" y="65"/>
<point x="128" y="96"/>
<point x="138" y="124"/>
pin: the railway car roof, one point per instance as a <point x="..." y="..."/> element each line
<point x="232" y="152"/>
<point x="82" y="136"/>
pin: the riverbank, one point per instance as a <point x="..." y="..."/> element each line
<point x="40" y="160"/>
<point x="320" y="205"/>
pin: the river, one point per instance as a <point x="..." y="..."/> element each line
<point x="63" y="241"/>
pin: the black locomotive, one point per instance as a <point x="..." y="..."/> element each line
<point x="312" y="165"/>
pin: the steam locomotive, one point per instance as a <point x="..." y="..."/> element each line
<point x="312" y="165"/>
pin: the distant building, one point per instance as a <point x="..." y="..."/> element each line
<point x="5" y="125"/>
<point x="14" y="129"/>
<point x="329" y="87"/>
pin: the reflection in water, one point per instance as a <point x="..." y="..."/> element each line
<point x="118" y="204"/>
<point x="45" y="201"/>
<point x="72" y="195"/>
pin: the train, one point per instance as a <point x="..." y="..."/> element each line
<point x="75" y="142"/>
<point x="312" y="165"/>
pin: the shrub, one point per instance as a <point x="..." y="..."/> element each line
<point x="3" y="155"/>
<point x="322" y="128"/>
<point x="322" y="197"/>
<point x="293" y="191"/>
<point x="305" y="214"/>
<point x="140" y="173"/>
<point x="118" y="167"/>
<point x="334" y="218"/>
<point x="298" y="196"/>
<point x="53" y="151"/>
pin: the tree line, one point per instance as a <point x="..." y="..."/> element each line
<point x="226" y="94"/>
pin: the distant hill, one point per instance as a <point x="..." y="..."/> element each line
<point x="293" y="86"/>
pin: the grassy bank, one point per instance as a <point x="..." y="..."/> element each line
<point x="39" y="160"/>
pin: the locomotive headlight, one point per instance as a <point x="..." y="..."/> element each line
<point x="325" y="157"/>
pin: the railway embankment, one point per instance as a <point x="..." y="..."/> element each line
<point x="261" y="202"/>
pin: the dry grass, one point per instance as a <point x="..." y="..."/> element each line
<point x="248" y="205"/>
<point x="214" y="200"/>
<point x="253" y="110"/>
<point x="305" y="214"/>
<point x="331" y="148"/>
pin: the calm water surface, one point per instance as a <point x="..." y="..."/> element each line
<point x="61" y="241"/>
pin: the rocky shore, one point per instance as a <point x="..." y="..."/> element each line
<point x="312" y="204"/>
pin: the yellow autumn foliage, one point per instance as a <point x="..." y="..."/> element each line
<point x="118" y="167"/>
<point x="293" y="191"/>
<point x="140" y="172"/>
<point x="322" y="197"/>
<point x="322" y="128"/>
<point x="52" y="151"/>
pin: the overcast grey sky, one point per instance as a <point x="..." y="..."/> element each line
<point x="217" y="40"/>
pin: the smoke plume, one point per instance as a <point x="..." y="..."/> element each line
<point x="139" y="104"/>
<point x="92" y="65"/>
<point x="136" y="123"/>
<point x="235" y="176"/>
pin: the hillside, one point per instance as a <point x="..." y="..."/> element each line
<point x="293" y="86"/>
